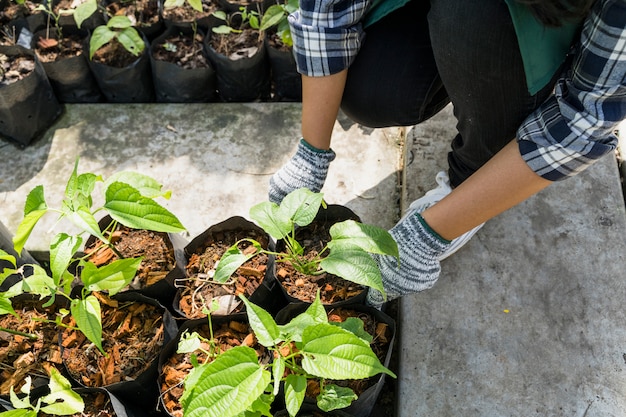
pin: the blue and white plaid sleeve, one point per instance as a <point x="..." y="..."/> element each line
<point x="575" y="127"/>
<point x="327" y="35"/>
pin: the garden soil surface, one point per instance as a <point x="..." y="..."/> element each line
<point x="186" y="13"/>
<point x="21" y="356"/>
<point x="182" y="51"/>
<point x="115" y="55"/>
<point x="140" y="12"/>
<point x="14" y="69"/>
<point x="155" y="248"/>
<point x="50" y="49"/>
<point x="197" y="289"/>
<point x="133" y="334"/>
<point x="237" y="45"/>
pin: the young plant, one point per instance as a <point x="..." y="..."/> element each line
<point x="128" y="200"/>
<point x="347" y="255"/>
<point x="308" y="347"/>
<point x="61" y="401"/>
<point x="276" y="16"/>
<point x="249" y="18"/>
<point x="119" y="28"/>
<point x="48" y="8"/>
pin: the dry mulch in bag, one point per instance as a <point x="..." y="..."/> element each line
<point x="155" y="248"/>
<point x="133" y="333"/>
<point x="22" y="356"/>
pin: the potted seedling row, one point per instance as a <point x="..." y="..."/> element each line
<point x="339" y="256"/>
<point x="93" y="307"/>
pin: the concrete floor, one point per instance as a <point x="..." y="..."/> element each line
<point x="527" y="319"/>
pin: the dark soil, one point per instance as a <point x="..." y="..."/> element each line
<point x="141" y="12"/>
<point x="15" y="68"/>
<point x="133" y="334"/>
<point x="333" y="289"/>
<point x="226" y="335"/>
<point x="182" y="51"/>
<point x="21" y="356"/>
<point x="197" y="289"/>
<point x="50" y="49"/>
<point x="15" y="11"/>
<point x="186" y="13"/>
<point x="155" y="248"/>
<point x="115" y="55"/>
<point x="237" y="45"/>
<point x="275" y="42"/>
<point x="66" y="5"/>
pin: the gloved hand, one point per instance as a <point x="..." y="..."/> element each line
<point x="419" y="268"/>
<point x="306" y="169"/>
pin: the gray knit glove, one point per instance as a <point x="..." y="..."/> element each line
<point x="420" y="248"/>
<point x="306" y="169"/>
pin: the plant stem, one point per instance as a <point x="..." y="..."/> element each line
<point x="18" y="333"/>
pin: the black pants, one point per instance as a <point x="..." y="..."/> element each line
<point x="419" y="58"/>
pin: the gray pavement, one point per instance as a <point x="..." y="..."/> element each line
<point x="527" y="319"/>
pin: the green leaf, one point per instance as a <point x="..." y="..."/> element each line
<point x="268" y="216"/>
<point x="5" y="306"/>
<point x="222" y="29"/>
<point x="147" y="186"/>
<point x="170" y="4"/>
<point x="272" y="16"/>
<point x="196" y="4"/>
<point x="278" y="370"/>
<point x="62" y="249"/>
<point x="4" y="256"/>
<point x="119" y="22"/>
<point x="261" y="407"/>
<point x="62" y="401"/>
<point x="354" y="265"/>
<point x="232" y="259"/>
<point x="100" y="37"/>
<point x="34" y="208"/>
<point x="86" y="184"/>
<point x="314" y="314"/>
<point x="334" y="397"/>
<point x="39" y="283"/>
<point x="355" y="326"/>
<point x="112" y="277"/>
<point x="21" y="402"/>
<point x="370" y="238"/>
<point x="227" y="386"/>
<point x="334" y="353"/>
<point x="295" y="389"/>
<point x="265" y="328"/>
<point x="84" y="11"/>
<point x="85" y="220"/>
<point x="301" y="206"/>
<point x="189" y="342"/>
<point x="87" y="315"/>
<point x="19" y="413"/>
<point x="126" y="205"/>
<point x="131" y="40"/>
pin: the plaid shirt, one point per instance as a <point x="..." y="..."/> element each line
<point x="567" y="133"/>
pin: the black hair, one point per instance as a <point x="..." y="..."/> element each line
<point x="556" y="12"/>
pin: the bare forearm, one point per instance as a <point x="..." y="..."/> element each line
<point x="503" y="182"/>
<point x="321" y="98"/>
